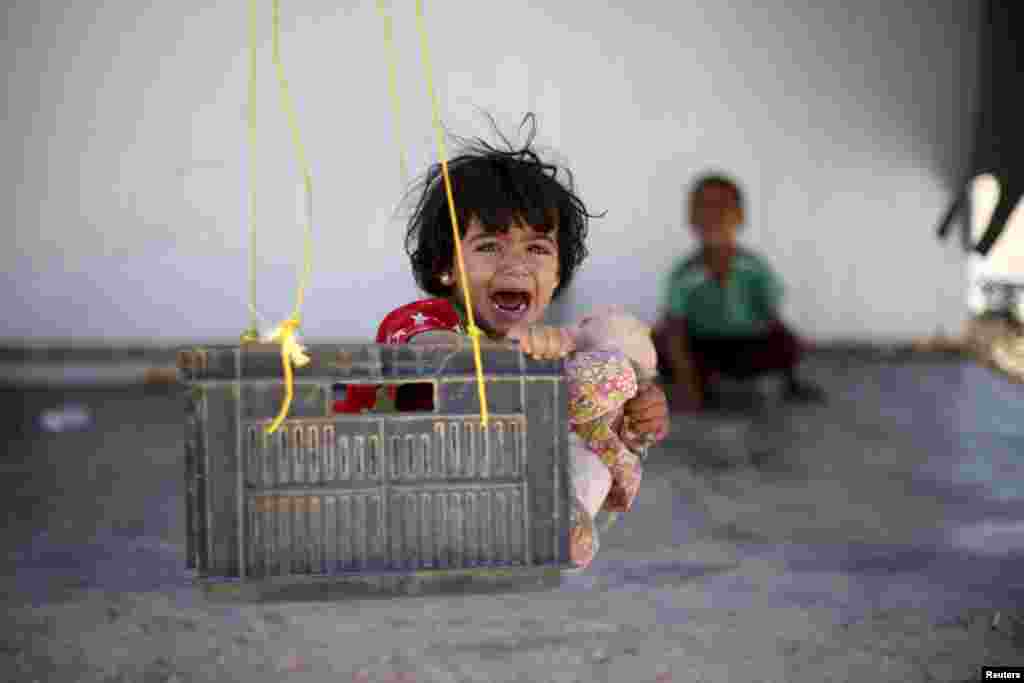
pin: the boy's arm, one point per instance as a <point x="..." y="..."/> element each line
<point x="770" y="294"/>
<point x="684" y="371"/>
<point x="673" y="330"/>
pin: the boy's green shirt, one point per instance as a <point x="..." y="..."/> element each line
<point x="743" y="307"/>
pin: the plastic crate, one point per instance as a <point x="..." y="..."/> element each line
<point x="379" y="500"/>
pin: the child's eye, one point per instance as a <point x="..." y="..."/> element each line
<point x="486" y="246"/>
<point x="540" y="249"/>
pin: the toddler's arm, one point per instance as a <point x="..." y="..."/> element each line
<point x="538" y="341"/>
<point x="449" y="338"/>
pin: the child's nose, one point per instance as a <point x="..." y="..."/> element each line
<point x="516" y="266"/>
<point x="515" y="256"/>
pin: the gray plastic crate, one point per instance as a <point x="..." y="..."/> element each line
<point x="380" y="500"/>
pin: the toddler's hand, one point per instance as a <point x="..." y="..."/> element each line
<point x="647" y="417"/>
<point x="543" y="342"/>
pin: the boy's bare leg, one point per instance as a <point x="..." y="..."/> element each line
<point x="783" y="350"/>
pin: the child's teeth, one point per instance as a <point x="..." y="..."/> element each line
<point x="518" y="308"/>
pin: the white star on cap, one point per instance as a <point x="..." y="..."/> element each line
<point x="419" y="318"/>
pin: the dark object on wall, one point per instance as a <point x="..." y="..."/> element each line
<point x="999" y="135"/>
<point x="1002" y="299"/>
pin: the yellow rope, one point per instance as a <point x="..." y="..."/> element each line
<point x="307" y="180"/>
<point x="291" y="353"/>
<point x="389" y="49"/>
<point x="474" y="331"/>
<point x="252" y="334"/>
<point x="284" y="334"/>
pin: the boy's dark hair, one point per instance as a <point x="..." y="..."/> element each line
<point x="721" y="180"/>
<point x="496" y="187"/>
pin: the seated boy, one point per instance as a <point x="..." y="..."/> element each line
<point x="721" y="308"/>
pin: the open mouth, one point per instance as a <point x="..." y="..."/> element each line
<point x="511" y="302"/>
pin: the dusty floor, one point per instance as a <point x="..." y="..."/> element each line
<point x="877" y="538"/>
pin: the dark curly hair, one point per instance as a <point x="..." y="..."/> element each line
<point x="497" y="187"/>
<point x="720" y="180"/>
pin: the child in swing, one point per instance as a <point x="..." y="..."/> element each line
<point x="522" y="238"/>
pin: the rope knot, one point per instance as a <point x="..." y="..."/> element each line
<point x="292" y="353"/>
<point x="285" y="334"/>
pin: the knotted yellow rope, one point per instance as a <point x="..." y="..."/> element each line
<point x="284" y="334"/>
<point x="291" y="353"/>
<point x="474" y="331"/>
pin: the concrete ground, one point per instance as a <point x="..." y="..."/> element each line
<point x="877" y="538"/>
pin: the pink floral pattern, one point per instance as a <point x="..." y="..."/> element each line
<point x="583" y="542"/>
<point x="600" y="383"/>
<point x="601" y="439"/>
<point x="626" y="476"/>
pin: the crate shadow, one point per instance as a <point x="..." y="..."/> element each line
<point x="382" y="586"/>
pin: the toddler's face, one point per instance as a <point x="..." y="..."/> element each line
<point x="715" y="216"/>
<point x="511" y="276"/>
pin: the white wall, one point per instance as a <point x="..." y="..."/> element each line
<point x="126" y="159"/>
